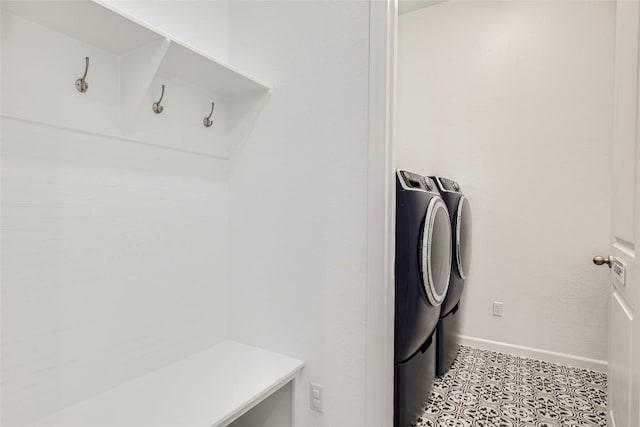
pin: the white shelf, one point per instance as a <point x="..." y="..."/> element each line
<point x="211" y="388"/>
<point x="45" y="43"/>
<point x="87" y="21"/>
<point x="202" y="70"/>
<point x="99" y="25"/>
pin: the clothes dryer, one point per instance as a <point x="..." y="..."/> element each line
<point x="422" y="270"/>
<point x="447" y="342"/>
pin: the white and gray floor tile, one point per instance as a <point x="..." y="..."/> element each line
<point x="489" y="389"/>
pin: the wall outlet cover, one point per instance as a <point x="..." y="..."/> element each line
<point x="497" y="309"/>
<point x="315" y="397"/>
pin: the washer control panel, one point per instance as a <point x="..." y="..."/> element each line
<point x="413" y="181"/>
<point x="449" y="185"/>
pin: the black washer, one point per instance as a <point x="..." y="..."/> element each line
<point x="422" y="271"/>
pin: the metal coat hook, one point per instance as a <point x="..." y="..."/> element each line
<point x="81" y="83"/>
<point x="157" y="108"/>
<point x="207" y="122"/>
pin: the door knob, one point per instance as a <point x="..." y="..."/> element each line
<point x="599" y="260"/>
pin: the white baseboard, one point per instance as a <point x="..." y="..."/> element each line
<point x="535" y="353"/>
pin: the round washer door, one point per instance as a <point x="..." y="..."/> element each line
<point x="436" y="251"/>
<point x="463" y="237"/>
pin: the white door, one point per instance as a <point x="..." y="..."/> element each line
<point x="624" y="328"/>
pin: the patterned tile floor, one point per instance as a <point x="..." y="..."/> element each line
<point x="489" y="389"/>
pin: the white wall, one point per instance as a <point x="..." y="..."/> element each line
<point x="514" y="100"/>
<point x="114" y="263"/>
<point x="120" y="253"/>
<point x="202" y="24"/>
<point x="298" y="197"/>
<point x="115" y="254"/>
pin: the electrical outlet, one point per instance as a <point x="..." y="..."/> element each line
<point x="497" y="309"/>
<point x="315" y="397"/>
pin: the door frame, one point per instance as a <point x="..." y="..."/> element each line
<point x="383" y="18"/>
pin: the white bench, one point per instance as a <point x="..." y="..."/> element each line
<point x="211" y="388"/>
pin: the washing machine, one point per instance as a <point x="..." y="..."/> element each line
<point x="422" y="270"/>
<point x="447" y="342"/>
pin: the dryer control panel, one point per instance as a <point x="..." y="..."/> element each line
<point x="413" y="181"/>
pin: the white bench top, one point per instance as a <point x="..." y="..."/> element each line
<point x="211" y="388"/>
